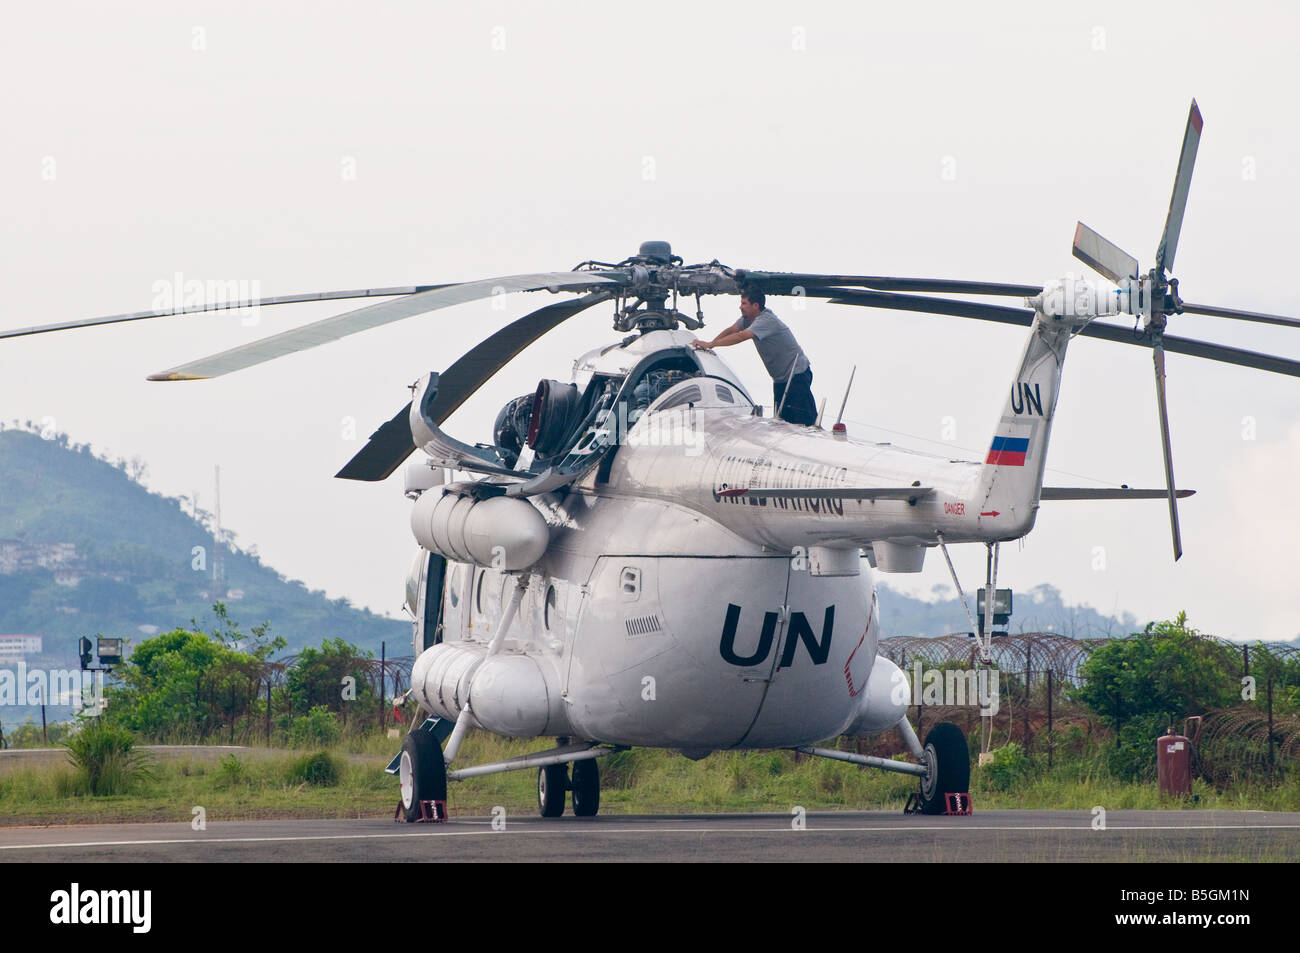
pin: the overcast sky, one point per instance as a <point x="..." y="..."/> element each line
<point x="322" y="146"/>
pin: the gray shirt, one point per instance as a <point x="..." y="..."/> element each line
<point x="776" y="345"/>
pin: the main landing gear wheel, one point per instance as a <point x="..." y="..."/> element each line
<point x="948" y="760"/>
<point x="422" y="773"/>
<point x="552" y="784"/>
<point x="586" y="788"/>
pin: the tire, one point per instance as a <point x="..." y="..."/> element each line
<point x="949" y="759"/>
<point x="422" y="773"/>
<point x="552" y="784"/>
<point x="586" y="788"/>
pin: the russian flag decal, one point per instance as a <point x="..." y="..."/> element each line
<point x="1008" y="451"/>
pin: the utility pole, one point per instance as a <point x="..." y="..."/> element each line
<point x="218" y="570"/>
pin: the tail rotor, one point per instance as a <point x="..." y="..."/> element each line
<point x="1155" y="294"/>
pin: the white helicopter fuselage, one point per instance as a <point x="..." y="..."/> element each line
<point x="671" y="608"/>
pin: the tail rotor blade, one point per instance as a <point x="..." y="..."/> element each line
<point x="1182" y="182"/>
<point x="1159" y="355"/>
<point x="1103" y="256"/>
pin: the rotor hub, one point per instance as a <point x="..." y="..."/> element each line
<point x="652" y="317"/>
<point x="661" y="252"/>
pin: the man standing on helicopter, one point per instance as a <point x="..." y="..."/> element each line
<point x="780" y="352"/>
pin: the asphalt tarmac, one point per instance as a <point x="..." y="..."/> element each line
<point x="986" y="836"/>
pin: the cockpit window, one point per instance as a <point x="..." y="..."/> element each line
<point x="724" y="393"/>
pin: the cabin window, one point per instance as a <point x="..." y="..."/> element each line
<point x="687" y="395"/>
<point x="454" y="586"/>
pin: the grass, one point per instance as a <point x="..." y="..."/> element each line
<point x="105" y="759"/>
<point x="350" y="782"/>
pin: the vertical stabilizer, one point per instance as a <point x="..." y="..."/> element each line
<point x="1012" y="478"/>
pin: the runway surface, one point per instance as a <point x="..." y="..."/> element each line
<point x="997" y="836"/>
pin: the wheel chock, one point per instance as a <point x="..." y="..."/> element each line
<point x="914" y="804"/>
<point x="431" y="812"/>
<point x="959" y="805"/>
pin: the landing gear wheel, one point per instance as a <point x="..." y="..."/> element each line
<point x="422" y="773"/>
<point x="586" y="788"/>
<point x="552" y="783"/>
<point x="948" y="760"/>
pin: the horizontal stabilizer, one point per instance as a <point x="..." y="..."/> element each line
<point x="833" y="493"/>
<point x="1103" y="493"/>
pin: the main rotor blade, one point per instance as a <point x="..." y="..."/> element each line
<point x="391" y="444"/>
<point x="1182" y="182"/>
<point x="231" y="306"/>
<point x="1158" y="354"/>
<point x="342" y="325"/>
<point x="1025" y="317"/>
<point x="480" y="363"/>
<point x="1203" y="349"/>
<point x="1103" y="256"/>
<point x="784" y="283"/>
<point x="1259" y="316"/>
<point x="384" y="452"/>
<point x="951" y="306"/>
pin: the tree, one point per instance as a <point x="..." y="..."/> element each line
<point x="187" y="683"/>
<point x="257" y="643"/>
<point x="168" y="684"/>
<point x="1169" y="669"/>
<point x="317" y="678"/>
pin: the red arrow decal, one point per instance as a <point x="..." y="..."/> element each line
<point x="990" y="513"/>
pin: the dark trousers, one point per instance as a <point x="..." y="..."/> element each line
<point x="800" y="408"/>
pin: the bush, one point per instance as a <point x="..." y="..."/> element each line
<point x="231" y="772"/>
<point x="1168" y="671"/>
<point x="106" y="758"/>
<point x="1134" y="759"/>
<point x="319" y="728"/>
<point x="321" y="769"/>
<point x="1009" y="766"/>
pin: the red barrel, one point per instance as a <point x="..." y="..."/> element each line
<point x="1174" y="764"/>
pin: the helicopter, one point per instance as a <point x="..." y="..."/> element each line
<point x="641" y="556"/>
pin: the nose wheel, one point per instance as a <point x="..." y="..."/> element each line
<point x="553" y="782"/>
<point x="422" y="774"/>
<point x="947" y="761"/>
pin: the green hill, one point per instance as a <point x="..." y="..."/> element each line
<point x="1040" y="609"/>
<point x="131" y="560"/>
